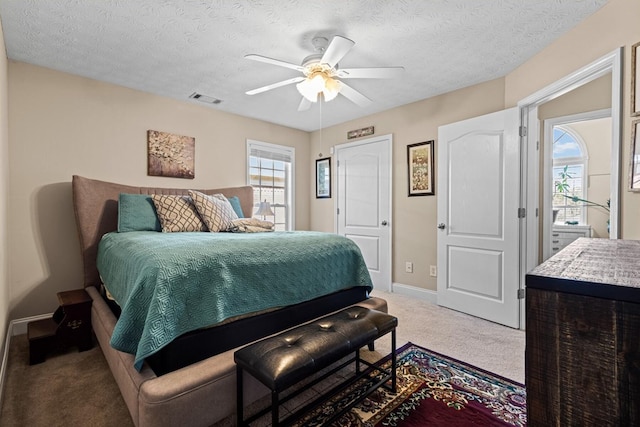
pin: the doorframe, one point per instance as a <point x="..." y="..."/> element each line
<point x="609" y="63"/>
<point x="388" y="138"/>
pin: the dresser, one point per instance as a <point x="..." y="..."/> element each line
<point x="582" y="358"/>
<point x="563" y="235"/>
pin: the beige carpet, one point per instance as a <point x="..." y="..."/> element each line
<point x="73" y="388"/>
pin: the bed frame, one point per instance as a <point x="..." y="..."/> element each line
<point x="196" y="393"/>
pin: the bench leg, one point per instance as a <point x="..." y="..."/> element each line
<point x="393" y="360"/>
<point x="275" y="418"/>
<point x="239" y="397"/>
<point x="371" y="346"/>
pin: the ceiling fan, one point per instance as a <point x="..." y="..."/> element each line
<point x="322" y="75"/>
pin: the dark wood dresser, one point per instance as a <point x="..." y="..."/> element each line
<point x="582" y="359"/>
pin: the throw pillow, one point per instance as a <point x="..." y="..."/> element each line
<point x="216" y="211"/>
<point x="235" y="204"/>
<point x="177" y="213"/>
<point x="136" y="212"/>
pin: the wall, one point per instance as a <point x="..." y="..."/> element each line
<point x="613" y="26"/>
<point x="4" y="189"/>
<point x="414" y="222"/>
<point x="414" y="218"/>
<point x="61" y="125"/>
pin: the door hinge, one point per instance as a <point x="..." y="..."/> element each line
<point x="520" y="293"/>
<point x="537" y="145"/>
<point x="523" y="131"/>
<point x="338" y="211"/>
<point x="522" y="212"/>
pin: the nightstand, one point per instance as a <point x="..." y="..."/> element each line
<point x="70" y="325"/>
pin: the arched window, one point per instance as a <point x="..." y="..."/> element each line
<point x="569" y="176"/>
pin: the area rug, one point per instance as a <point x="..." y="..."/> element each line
<point x="432" y="390"/>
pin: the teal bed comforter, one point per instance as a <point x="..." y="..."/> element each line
<point x="168" y="284"/>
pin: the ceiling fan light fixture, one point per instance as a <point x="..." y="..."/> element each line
<point x="331" y="89"/>
<point x="311" y="86"/>
<point x="316" y="83"/>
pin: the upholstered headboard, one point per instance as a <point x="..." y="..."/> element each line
<point x="96" y="207"/>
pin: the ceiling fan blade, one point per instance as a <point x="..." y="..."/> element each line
<point x="336" y="50"/>
<point x="275" y="85"/>
<point x="354" y="96"/>
<point x="272" y="61"/>
<point x="370" y="73"/>
<point x="305" y="104"/>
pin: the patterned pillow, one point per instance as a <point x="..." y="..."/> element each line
<point x="177" y="213"/>
<point x="216" y="211"/>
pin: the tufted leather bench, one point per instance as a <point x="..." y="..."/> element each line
<point x="284" y="360"/>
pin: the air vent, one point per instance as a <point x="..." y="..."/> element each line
<point x="205" y="98"/>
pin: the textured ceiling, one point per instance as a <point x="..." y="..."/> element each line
<point x="174" y="48"/>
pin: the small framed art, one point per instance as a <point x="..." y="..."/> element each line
<point x="323" y="178"/>
<point x="420" y="165"/>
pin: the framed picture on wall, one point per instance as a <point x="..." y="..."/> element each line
<point x="170" y="155"/>
<point x="634" y="168"/>
<point x="420" y="165"/>
<point x="323" y="178"/>
<point x="635" y="79"/>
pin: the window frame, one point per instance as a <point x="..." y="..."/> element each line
<point x="582" y="160"/>
<point x="289" y="177"/>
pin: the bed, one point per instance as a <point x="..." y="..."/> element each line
<point x="176" y="386"/>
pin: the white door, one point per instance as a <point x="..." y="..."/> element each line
<point x="478" y="200"/>
<point x="364" y="202"/>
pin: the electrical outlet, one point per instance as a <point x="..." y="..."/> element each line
<point x="432" y="271"/>
<point x="408" y="267"/>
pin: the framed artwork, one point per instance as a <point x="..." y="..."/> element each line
<point x="323" y="178"/>
<point x="634" y="168"/>
<point x="635" y="79"/>
<point x="420" y="165"/>
<point x="170" y="155"/>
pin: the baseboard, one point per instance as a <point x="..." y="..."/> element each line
<point x="16" y="327"/>
<point x="415" y="292"/>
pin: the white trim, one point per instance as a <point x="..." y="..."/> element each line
<point x="415" y="292"/>
<point x="16" y="327"/>
<point x="610" y="63"/>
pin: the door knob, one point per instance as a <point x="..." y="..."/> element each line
<point x="441" y="226"/>
<point x="384" y="222"/>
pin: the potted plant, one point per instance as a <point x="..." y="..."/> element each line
<point x="562" y="186"/>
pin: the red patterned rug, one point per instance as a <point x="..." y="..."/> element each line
<point x="433" y="390"/>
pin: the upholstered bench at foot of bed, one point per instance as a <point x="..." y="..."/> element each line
<point x="284" y="360"/>
<point x="201" y="394"/>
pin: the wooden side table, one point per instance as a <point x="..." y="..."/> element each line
<point x="70" y="325"/>
<point x="582" y="358"/>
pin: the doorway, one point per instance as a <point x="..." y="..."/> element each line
<point x="530" y="180"/>
<point x="576" y="179"/>
<point x="364" y="202"/>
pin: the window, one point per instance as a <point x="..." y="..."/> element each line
<point x="569" y="168"/>
<point x="270" y="172"/>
